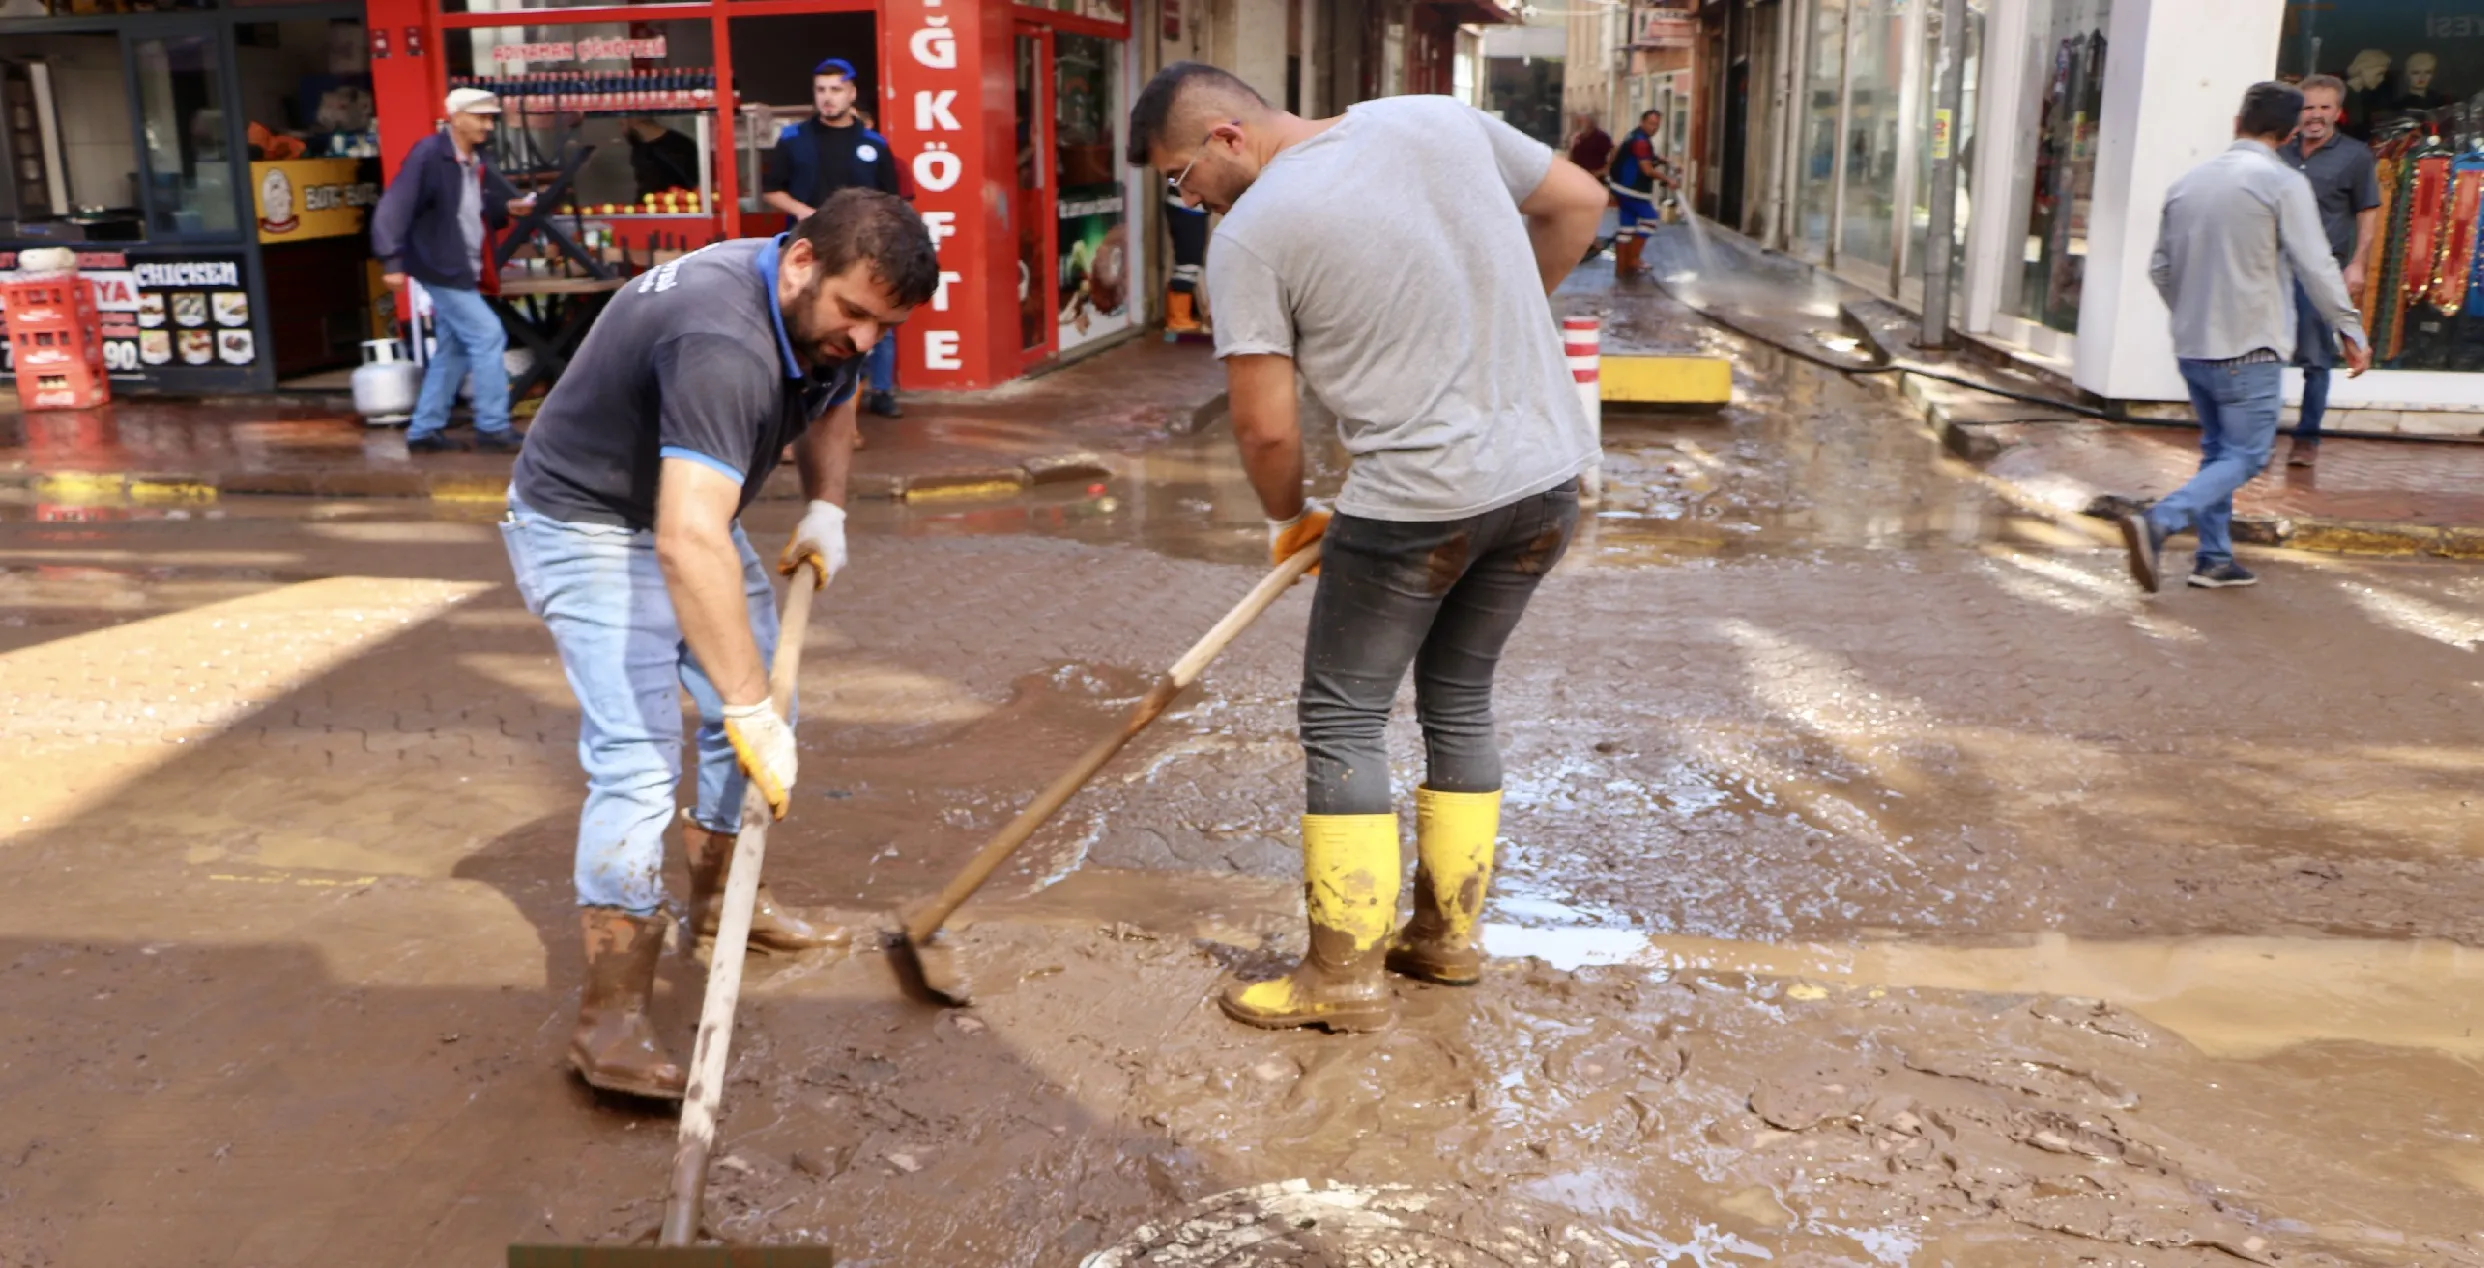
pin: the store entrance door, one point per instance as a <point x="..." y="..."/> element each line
<point x="1075" y="262"/>
<point x="1034" y="224"/>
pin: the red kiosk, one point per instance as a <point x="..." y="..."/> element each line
<point x="1006" y="118"/>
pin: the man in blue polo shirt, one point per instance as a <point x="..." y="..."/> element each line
<point x="829" y="151"/>
<point x="624" y="533"/>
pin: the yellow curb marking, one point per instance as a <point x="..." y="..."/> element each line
<point x="980" y="489"/>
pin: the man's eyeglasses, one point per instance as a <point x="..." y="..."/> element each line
<point x="1174" y="183"/>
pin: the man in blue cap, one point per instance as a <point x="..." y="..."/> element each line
<point x="830" y="151"/>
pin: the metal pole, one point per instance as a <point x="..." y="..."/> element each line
<point x="1940" y="236"/>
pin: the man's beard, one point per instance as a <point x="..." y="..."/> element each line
<point x="811" y="346"/>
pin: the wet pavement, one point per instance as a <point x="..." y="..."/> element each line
<point x="2421" y="493"/>
<point x="1056" y="428"/>
<point x="1884" y="882"/>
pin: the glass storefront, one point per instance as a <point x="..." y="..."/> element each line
<point x="213" y="174"/>
<point x="1876" y="46"/>
<point x="1959" y="134"/>
<point x="2059" y="121"/>
<point x="1823" y="80"/>
<point x="1092" y="275"/>
<point x="2414" y="78"/>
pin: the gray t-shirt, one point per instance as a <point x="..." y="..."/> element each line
<point x="470" y="209"/>
<point x="1387" y="257"/>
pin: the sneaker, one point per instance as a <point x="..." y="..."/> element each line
<point x="506" y="440"/>
<point x="2143" y="541"/>
<point x="884" y="404"/>
<point x="2220" y="576"/>
<point x="2304" y="454"/>
<point x="433" y="443"/>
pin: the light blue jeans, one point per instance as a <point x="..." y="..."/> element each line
<point x="470" y="339"/>
<point x="2238" y="407"/>
<point x="600" y="590"/>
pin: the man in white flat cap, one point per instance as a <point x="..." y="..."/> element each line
<point x="431" y="225"/>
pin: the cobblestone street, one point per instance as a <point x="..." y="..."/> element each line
<point x="1885" y="880"/>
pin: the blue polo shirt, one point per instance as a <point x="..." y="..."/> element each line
<point x="691" y="361"/>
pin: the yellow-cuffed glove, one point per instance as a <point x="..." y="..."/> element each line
<point x="819" y="538"/>
<point x="765" y="746"/>
<point x="1286" y="538"/>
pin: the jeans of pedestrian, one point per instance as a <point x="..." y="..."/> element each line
<point x="599" y="588"/>
<point x="470" y="338"/>
<point x="881" y="362"/>
<point x="2316" y="351"/>
<point x="2237" y="406"/>
<point x="1442" y="597"/>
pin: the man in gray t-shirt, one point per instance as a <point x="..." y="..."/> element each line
<point x="1395" y="259"/>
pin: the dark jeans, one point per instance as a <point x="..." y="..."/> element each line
<point x="1442" y="597"/>
<point x="2316" y="351"/>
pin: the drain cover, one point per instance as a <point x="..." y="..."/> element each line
<point x="1296" y="1224"/>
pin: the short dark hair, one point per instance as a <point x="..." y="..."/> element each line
<point x="2271" y="109"/>
<point x="834" y="66"/>
<point x="1645" y="113"/>
<point x="868" y="226"/>
<point x="2328" y="83"/>
<point x="1153" y="110"/>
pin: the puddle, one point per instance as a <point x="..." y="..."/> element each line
<point x="2236" y="997"/>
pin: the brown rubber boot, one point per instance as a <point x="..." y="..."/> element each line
<point x="615" y="1046"/>
<point x="1350" y="878"/>
<point x="1626" y="255"/>
<point x="772" y="928"/>
<point x="1454" y="835"/>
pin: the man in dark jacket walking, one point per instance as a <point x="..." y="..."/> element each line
<point x="832" y="150"/>
<point x="432" y="225"/>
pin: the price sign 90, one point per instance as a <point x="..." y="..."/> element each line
<point x="120" y="356"/>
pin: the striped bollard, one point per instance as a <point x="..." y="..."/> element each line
<point x="1582" y="344"/>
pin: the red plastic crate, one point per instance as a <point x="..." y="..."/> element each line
<point x="56" y="342"/>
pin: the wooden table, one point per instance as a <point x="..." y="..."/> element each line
<point x="564" y="309"/>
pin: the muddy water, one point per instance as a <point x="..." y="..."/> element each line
<point x="1689" y="1115"/>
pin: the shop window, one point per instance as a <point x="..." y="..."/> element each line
<point x="1876" y="43"/>
<point x="1961" y="134"/>
<point x="621" y="108"/>
<point x="82" y="8"/>
<point x="70" y="153"/>
<point x="1100" y="10"/>
<point x="1093" y="271"/>
<point x="188" y="150"/>
<point x="2058" y="122"/>
<point x="772" y="62"/>
<point x="1815" y="184"/>
<point x="306" y="89"/>
<point x="2414" y="76"/>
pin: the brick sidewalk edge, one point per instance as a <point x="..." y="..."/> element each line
<point x="173" y="488"/>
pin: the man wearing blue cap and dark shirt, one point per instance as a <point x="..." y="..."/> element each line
<point x="819" y="156"/>
<point x="624" y="533"/>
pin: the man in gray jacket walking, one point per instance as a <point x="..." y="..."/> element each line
<point x="2240" y="232"/>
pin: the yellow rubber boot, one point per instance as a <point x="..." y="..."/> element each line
<point x="1180" y="316"/>
<point x="1454" y="833"/>
<point x="1350" y="869"/>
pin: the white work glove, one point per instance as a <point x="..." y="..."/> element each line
<point x="1286" y="538"/>
<point x="819" y="538"/>
<point x="765" y="746"/>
